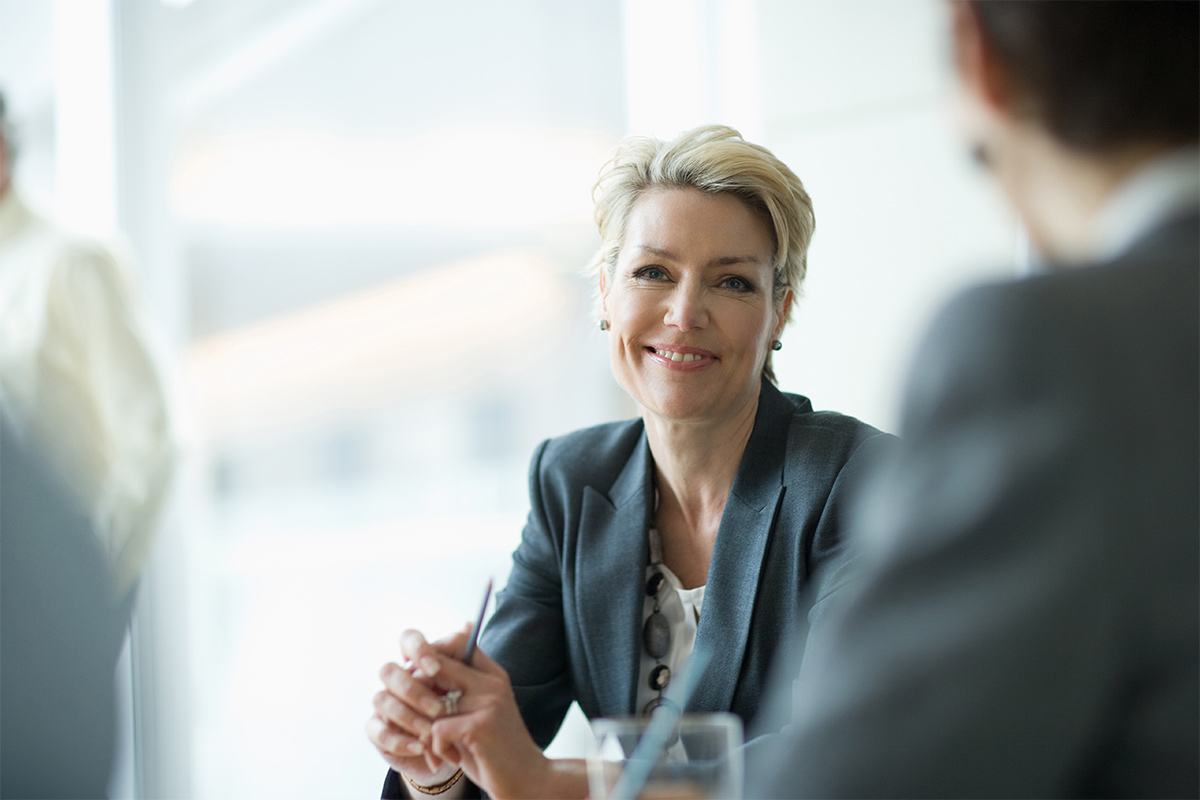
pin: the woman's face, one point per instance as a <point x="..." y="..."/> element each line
<point x="690" y="305"/>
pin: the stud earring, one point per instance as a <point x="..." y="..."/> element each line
<point x="603" y="324"/>
<point x="776" y="345"/>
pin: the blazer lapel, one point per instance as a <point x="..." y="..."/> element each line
<point x="737" y="558"/>
<point x="610" y="570"/>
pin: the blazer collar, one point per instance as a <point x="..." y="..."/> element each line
<point x="760" y="475"/>
<point x="737" y="559"/>
<point x="613" y="553"/>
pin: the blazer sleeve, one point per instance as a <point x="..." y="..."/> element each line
<point x="832" y="558"/>
<point x="824" y="572"/>
<point x="526" y="634"/>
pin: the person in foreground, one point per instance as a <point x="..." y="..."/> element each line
<point x="700" y="522"/>
<point x="1026" y="622"/>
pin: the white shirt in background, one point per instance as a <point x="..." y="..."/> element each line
<point x="76" y="373"/>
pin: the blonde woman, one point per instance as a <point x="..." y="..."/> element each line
<point x="707" y="519"/>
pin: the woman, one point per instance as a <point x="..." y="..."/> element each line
<point x="705" y="520"/>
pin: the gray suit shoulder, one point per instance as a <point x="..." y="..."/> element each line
<point x="592" y="456"/>
<point x="830" y="426"/>
<point x="844" y="424"/>
<point x="1120" y="325"/>
<point x="1156" y="281"/>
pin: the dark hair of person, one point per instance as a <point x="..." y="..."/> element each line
<point x="1102" y="73"/>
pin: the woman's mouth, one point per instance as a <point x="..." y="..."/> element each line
<point x="676" y="355"/>
<point x="680" y="356"/>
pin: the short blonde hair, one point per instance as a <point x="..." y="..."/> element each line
<point x="717" y="160"/>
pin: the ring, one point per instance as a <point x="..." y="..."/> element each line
<point x="450" y="701"/>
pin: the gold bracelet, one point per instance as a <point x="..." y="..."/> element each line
<point x="440" y="788"/>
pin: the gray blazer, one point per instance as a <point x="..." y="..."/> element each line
<point x="568" y="624"/>
<point x="1028" y="621"/>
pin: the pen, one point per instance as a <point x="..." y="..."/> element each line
<point x="470" y="651"/>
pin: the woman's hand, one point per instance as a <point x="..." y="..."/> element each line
<point x="488" y="738"/>
<point x="407" y="706"/>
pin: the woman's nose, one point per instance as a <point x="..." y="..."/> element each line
<point x="687" y="307"/>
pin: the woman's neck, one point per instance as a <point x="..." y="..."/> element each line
<point x="695" y="464"/>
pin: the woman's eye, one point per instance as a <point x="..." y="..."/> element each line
<point x="737" y="284"/>
<point x="651" y="273"/>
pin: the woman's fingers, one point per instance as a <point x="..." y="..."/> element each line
<point x="480" y="695"/>
<point x="446" y="741"/>
<point x="420" y="653"/>
<point x="427" y="657"/>
<point x="411" y="691"/>
<point x="453" y="737"/>
<point x="390" y="740"/>
<point x="482" y="662"/>
<point x="389" y="707"/>
<point x="406" y="754"/>
<point x="482" y="671"/>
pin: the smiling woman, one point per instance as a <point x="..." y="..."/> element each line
<point x="715" y="517"/>
<point x="690" y="306"/>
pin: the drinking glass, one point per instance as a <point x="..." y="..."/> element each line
<point x="702" y="757"/>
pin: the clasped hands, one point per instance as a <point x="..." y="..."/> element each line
<point x="487" y="738"/>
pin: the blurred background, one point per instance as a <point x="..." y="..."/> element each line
<point x="360" y="228"/>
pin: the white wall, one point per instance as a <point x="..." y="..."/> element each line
<point x="855" y="99"/>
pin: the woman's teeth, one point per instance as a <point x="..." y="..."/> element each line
<point x="679" y="356"/>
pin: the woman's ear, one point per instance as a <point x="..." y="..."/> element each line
<point x="603" y="292"/>
<point x="782" y="314"/>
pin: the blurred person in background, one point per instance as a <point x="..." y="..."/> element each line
<point x="88" y="455"/>
<point x="1027" y="623"/>
<point x="702" y="521"/>
<point x="76" y="368"/>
